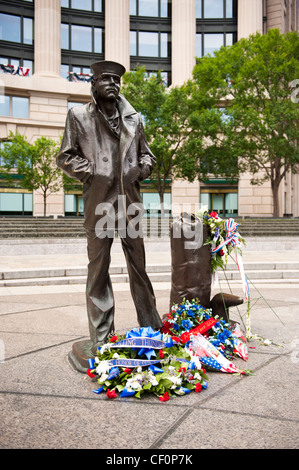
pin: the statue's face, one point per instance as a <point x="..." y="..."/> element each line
<point x="107" y="86"/>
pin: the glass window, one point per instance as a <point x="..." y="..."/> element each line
<point x="164" y="8"/>
<point x="12" y="202"/>
<point x="98" y="5"/>
<point x="28" y="200"/>
<point x="79" y="5"/>
<point x="10" y="28"/>
<point x="148" y="7"/>
<point x="27" y="30"/>
<point x="15" y="62"/>
<point x="64" y="3"/>
<point x="4" y="105"/>
<point x="20" y="107"/>
<point x="231" y="204"/>
<point x="148" y="44"/>
<point x="98" y="43"/>
<point x="198" y="8"/>
<point x="213" y="9"/>
<point x="133" y="43"/>
<point x="198" y="45"/>
<point x="65" y="36"/>
<point x="229" y="39"/>
<point x="212" y="42"/>
<point x="64" y="70"/>
<point x="229" y="9"/>
<point x="164" y="45"/>
<point x="81" y="38"/>
<point x="133" y="7"/>
<point x="28" y="64"/>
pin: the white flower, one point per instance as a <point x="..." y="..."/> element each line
<point x="139" y="369"/>
<point x="177" y="381"/>
<point x="152" y="379"/>
<point x="104" y="347"/>
<point x="103" y="377"/>
<point x="115" y="356"/>
<point x="102" y="367"/>
<point x="134" y="384"/>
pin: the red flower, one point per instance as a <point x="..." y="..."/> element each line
<point x="198" y="388"/>
<point x="203" y="371"/>
<point x="127" y="370"/>
<point x="161" y="354"/>
<point x="214" y="214"/>
<point x="182" y="369"/>
<point x="111" y="393"/>
<point x="164" y="397"/>
<point x="90" y="374"/>
<point x="113" y="339"/>
<point x="176" y="339"/>
<point x="221" y="252"/>
<point x="166" y="327"/>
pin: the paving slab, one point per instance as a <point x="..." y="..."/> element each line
<point x="45" y="404"/>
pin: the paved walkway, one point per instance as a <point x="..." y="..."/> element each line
<point x="46" y="404"/>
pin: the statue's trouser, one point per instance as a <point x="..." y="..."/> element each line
<point x="99" y="293"/>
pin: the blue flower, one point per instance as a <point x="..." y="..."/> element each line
<point x="191" y="313"/>
<point x="187" y="324"/>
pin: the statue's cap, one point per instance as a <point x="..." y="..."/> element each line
<point x="107" y="66"/>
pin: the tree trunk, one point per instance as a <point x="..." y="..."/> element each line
<point x="45" y="204"/>
<point x="161" y="195"/>
<point x="275" y="188"/>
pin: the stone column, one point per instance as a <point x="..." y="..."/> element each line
<point x="117" y="31"/>
<point x="183" y="40"/>
<point x="47" y="46"/>
<point x="185" y="195"/>
<point x="250" y="17"/>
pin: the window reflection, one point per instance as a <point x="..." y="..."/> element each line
<point x="10" y="28"/>
<point x="148" y="8"/>
<point x="212" y="42"/>
<point x="149" y="44"/>
<point x="14" y="106"/>
<point x="81" y="38"/>
<point x="20" y="107"/>
<point x="79" y="5"/>
<point x="213" y="9"/>
<point x="153" y="8"/>
<point x="28" y="30"/>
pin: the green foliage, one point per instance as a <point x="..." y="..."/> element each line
<point x="259" y="130"/>
<point x="167" y="116"/>
<point x="35" y="162"/>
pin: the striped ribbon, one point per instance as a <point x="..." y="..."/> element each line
<point x="233" y="239"/>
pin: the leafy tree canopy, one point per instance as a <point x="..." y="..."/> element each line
<point x="251" y="119"/>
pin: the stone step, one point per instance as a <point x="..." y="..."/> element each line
<point x="157" y="273"/>
<point x="121" y="278"/>
<point x="154" y="227"/>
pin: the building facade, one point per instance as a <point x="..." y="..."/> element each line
<point x="47" y="46"/>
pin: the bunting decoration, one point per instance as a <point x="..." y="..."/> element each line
<point x="80" y="77"/>
<point x="224" y="240"/>
<point x="22" y="71"/>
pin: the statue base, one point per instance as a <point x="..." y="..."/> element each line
<point x="79" y="355"/>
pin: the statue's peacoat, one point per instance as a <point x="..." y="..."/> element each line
<point x="109" y="165"/>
